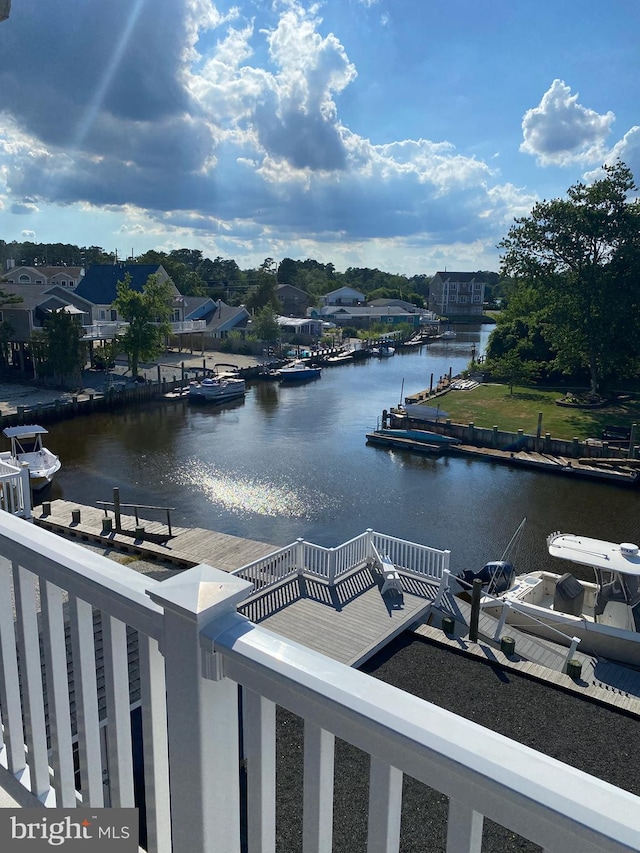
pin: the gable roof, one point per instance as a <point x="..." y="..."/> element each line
<point x="459" y="276"/>
<point x="33" y="295"/>
<point x="99" y="284"/>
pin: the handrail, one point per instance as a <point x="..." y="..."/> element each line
<point x="538" y="797"/>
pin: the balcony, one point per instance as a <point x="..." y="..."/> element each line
<point x="171" y="667"/>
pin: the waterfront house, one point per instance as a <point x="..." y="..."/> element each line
<point x="28" y="315"/>
<point x="365" y="316"/>
<point x="43" y="275"/>
<point x="456" y="294"/>
<point x="217" y="317"/>
<point x="343" y="296"/>
<point x="99" y="287"/>
<point x="210" y="681"/>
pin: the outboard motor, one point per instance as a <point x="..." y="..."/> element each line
<point x="496" y="576"/>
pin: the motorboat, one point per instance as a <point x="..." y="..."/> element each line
<point x="604" y="615"/>
<point x="298" y="371"/>
<point x="26" y="446"/>
<point x="386" y="351"/>
<point x="448" y="335"/>
<point x="216" y="389"/>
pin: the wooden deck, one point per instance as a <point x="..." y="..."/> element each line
<point x="352" y="620"/>
<point x="186" y="548"/>
<point x="348" y="622"/>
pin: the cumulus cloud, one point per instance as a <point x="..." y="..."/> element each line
<point x="560" y="131"/>
<point x="24" y="208"/>
<point x="203" y="120"/>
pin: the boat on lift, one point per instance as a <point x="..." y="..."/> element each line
<point x="217" y="388"/>
<point x="298" y="371"/>
<point x="26" y="446"/>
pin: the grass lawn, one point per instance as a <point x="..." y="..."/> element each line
<point x="492" y="405"/>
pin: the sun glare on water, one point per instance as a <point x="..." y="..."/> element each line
<point x="241" y="495"/>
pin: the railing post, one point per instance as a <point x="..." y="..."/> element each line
<point x="332" y="565"/>
<point x="202" y="710"/>
<point x="26" y="491"/>
<point x="503" y="618"/>
<point x="116" y="507"/>
<point x="442" y="588"/>
<point x="300" y="555"/>
<point x="371" y="553"/>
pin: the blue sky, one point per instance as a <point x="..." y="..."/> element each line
<point x="398" y="134"/>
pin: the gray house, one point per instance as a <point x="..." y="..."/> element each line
<point x="456" y="293"/>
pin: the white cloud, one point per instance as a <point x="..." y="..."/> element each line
<point x="560" y="131"/>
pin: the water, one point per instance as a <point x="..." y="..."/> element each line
<point x="292" y="462"/>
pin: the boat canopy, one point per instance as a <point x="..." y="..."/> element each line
<point x="611" y="556"/>
<point x="23" y="431"/>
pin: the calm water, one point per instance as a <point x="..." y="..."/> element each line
<point x="292" y="461"/>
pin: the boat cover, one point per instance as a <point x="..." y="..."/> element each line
<point x="21" y="431"/>
<point x="614" y="557"/>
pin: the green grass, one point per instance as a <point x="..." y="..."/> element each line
<point x="493" y="405"/>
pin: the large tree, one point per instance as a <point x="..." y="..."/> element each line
<point x="147" y="312"/>
<point x="60" y="348"/>
<point x="582" y="255"/>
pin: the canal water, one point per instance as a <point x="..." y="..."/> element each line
<point x="292" y="461"/>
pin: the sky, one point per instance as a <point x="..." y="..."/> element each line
<point x="399" y="134"/>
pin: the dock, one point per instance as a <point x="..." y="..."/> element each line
<point x="354" y="616"/>
<point x="185" y="548"/>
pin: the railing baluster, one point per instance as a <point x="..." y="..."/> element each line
<point x="31" y="678"/>
<point x="9" y="681"/>
<point x="385" y="804"/>
<point x="55" y="659"/>
<point x="464" y="829"/>
<point x="317" y="821"/>
<point x="116" y="679"/>
<point x="154" y="740"/>
<point x="86" y="699"/>
<point x="259" y="719"/>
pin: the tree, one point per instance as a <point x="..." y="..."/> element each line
<point x="148" y="314"/>
<point x="265" y="325"/>
<point x="62" y="348"/>
<point x="582" y="254"/>
<point x="513" y="369"/>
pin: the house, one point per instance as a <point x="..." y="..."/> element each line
<point x="28" y="316"/>
<point x="365" y="316"/>
<point x="293" y="301"/>
<point x="456" y="293"/>
<point x="99" y="287"/>
<point x="219" y="318"/>
<point x="343" y="296"/>
<point x="63" y="276"/>
<point x="303" y="327"/>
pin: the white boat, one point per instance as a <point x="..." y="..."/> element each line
<point x="298" y="371"/>
<point x="386" y="351"/>
<point x="448" y="335"/>
<point x="26" y="446"/>
<point x="216" y="389"/>
<point x="604" y="615"/>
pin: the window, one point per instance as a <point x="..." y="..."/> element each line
<point x="477" y="298"/>
<point x="114" y="315"/>
<point x="464" y="299"/>
<point x="24" y="279"/>
<point x="454" y="287"/>
<point x="477" y="286"/>
<point x="103" y="315"/>
<point x="453" y="297"/>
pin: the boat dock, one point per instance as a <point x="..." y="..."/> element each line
<point x="353" y="616"/>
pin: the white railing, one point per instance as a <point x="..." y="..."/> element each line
<point x="104" y="331"/>
<point x="270" y="570"/>
<point x="188" y="326"/>
<point x="330" y="564"/>
<point x="193" y="650"/>
<point x="15" y="491"/>
<point x="411" y="557"/>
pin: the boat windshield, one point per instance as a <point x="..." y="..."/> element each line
<point x="613" y="586"/>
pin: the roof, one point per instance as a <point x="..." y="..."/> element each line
<point x="21" y="431"/>
<point x="33" y="295"/>
<point x="460" y="276"/>
<point x="99" y="284"/>
<point x="614" y="557"/>
<point x="363" y="310"/>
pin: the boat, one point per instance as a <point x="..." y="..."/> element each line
<point x="26" y="446"/>
<point x="216" y="389"/>
<point x="604" y="615"/>
<point x="298" y="371"/>
<point x="386" y="351"/>
<point x="448" y="335"/>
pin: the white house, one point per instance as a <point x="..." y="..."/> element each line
<point x="344" y="296"/>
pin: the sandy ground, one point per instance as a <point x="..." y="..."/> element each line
<point x="13" y="395"/>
